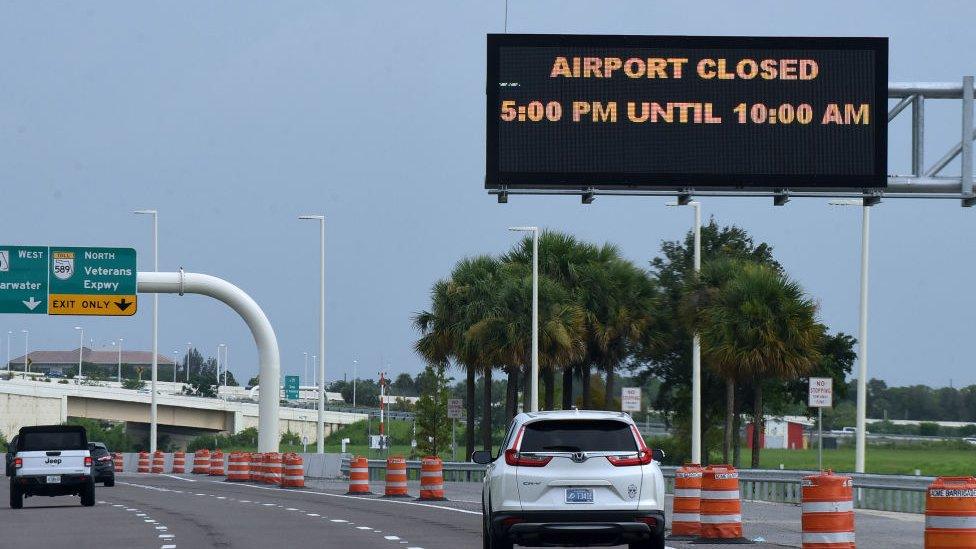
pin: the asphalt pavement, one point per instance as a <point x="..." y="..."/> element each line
<point x="189" y="511"/>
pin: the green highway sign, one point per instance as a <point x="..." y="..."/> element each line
<point x="291" y="387"/>
<point x="92" y="281"/>
<point x="23" y="279"/>
<point x="67" y="281"/>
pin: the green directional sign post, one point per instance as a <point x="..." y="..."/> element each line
<point x="92" y="281"/>
<point x="67" y="281"/>
<point x="291" y="387"/>
<point x="23" y="279"/>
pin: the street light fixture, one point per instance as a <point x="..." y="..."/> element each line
<point x="695" y="347"/>
<point x="320" y="425"/>
<point x="81" y="347"/>
<point x="155" y="329"/>
<point x="862" y="336"/>
<point x="534" y="401"/>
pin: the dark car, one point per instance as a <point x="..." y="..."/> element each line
<point x="103" y="467"/>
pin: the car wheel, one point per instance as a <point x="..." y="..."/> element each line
<point x="16" y="497"/>
<point x="88" y="495"/>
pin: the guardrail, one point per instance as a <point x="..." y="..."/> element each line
<point x="900" y="493"/>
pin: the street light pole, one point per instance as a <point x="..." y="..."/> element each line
<point x="176" y="354"/>
<point x="320" y="425"/>
<point x="219" y="362"/>
<point x="8" y="350"/>
<point x="153" y="426"/>
<point x="81" y="347"/>
<point x="862" y="336"/>
<point x="355" y="374"/>
<point x="534" y="392"/>
<point x="186" y="363"/>
<point x="695" y="348"/>
<point x="226" y="363"/>
<point x="120" y="360"/>
<point x="26" y="349"/>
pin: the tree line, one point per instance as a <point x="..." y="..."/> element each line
<point x="601" y="314"/>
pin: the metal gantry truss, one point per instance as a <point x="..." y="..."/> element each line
<point x="920" y="183"/>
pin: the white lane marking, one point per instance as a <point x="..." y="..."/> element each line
<point x="150" y="520"/>
<point x="396" y="501"/>
<point x="101" y="503"/>
<point x="363" y="528"/>
<point x="168" y="547"/>
<point x="391" y="538"/>
<point x="291" y="509"/>
<point x="245" y="501"/>
<point x="313" y="514"/>
<point x="162" y="528"/>
<point x="339" y="520"/>
<point x="166" y="536"/>
<point x="178" y="478"/>
<point x="221" y="497"/>
<point x="268" y="504"/>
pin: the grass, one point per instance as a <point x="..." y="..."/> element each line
<point x="904" y="460"/>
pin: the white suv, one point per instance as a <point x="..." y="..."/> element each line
<point x="572" y="478"/>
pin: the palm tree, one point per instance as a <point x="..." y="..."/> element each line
<point x="762" y="325"/>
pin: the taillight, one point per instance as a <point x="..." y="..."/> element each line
<point x="644" y="455"/>
<point x="650" y="521"/>
<point x="18" y="463"/>
<point x="88" y="461"/>
<point x="513" y="457"/>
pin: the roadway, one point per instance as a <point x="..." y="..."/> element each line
<point x="187" y="511"/>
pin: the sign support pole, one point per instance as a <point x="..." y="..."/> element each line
<point x="264" y="337"/>
<point x="820" y="436"/>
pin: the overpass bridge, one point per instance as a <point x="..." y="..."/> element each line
<point x="181" y="417"/>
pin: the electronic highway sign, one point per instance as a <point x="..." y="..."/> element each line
<point x="673" y="112"/>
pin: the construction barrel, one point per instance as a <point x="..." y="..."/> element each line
<point x="216" y="463"/>
<point x="118" y="460"/>
<point x="432" y="479"/>
<point x="239" y="467"/>
<point x="179" y="462"/>
<point x="201" y="462"/>
<point x="272" y="468"/>
<point x="294" y="471"/>
<point x="359" y="476"/>
<point x="158" y="460"/>
<point x="828" y="511"/>
<point x="950" y="513"/>
<point x="686" y="520"/>
<point x="396" y="477"/>
<point x="721" y="508"/>
<point x="257" y="467"/>
<point x="143" y="462"/>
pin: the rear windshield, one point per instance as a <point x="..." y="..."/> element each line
<point x="97" y="452"/>
<point x="588" y="435"/>
<point x="56" y="440"/>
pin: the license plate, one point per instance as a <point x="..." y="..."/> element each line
<point x="54" y="479"/>
<point x="579" y="495"/>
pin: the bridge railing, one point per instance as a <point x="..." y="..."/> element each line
<point x="899" y="493"/>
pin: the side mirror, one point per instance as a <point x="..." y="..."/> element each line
<point x="658" y="455"/>
<point x="482" y="457"/>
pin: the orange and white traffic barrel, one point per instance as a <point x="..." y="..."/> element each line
<point x="432" y="479"/>
<point x="179" y="462"/>
<point x="216" y="464"/>
<point x="158" y="460"/>
<point x="238" y="467"/>
<point x="201" y="462"/>
<point x="721" y="508"/>
<point x="950" y="513"/>
<point x="828" y="511"/>
<point x="359" y="476"/>
<point x="257" y="467"/>
<point x="294" y="471"/>
<point x="686" y="519"/>
<point x="118" y="461"/>
<point x="396" y="477"/>
<point x="143" y="462"/>
<point x="272" y="468"/>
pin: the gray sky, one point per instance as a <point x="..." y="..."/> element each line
<point x="232" y="118"/>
